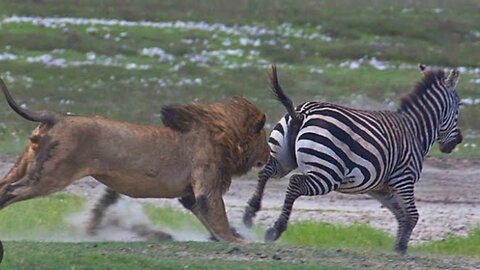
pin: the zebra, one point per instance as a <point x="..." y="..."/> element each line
<point x="347" y="150"/>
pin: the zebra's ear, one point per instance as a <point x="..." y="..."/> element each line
<point x="423" y="69"/>
<point x="452" y="78"/>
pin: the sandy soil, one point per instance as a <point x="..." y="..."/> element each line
<point x="448" y="200"/>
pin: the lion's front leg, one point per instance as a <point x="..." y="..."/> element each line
<point x="212" y="209"/>
<point x="190" y="203"/>
<point x="208" y="204"/>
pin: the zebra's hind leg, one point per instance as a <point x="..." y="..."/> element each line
<point x="255" y="202"/>
<point x="299" y="185"/>
<point x="400" y="202"/>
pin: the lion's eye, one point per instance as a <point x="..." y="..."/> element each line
<point x="260" y="124"/>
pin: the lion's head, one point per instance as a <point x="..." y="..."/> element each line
<point x="236" y="129"/>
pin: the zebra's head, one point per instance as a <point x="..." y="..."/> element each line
<point x="449" y="134"/>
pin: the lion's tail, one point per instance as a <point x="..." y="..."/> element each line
<point x="282" y="97"/>
<point x="44" y="117"/>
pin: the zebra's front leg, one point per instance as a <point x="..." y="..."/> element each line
<point x="299" y="185"/>
<point x="401" y="203"/>
<point x="255" y="202"/>
<point x="406" y="197"/>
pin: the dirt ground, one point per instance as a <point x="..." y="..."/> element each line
<point x="447" y="196"/>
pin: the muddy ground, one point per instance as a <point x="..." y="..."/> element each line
<point x="448" y="200"/>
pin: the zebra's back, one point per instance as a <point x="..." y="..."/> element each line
<point x="348" y="148"/>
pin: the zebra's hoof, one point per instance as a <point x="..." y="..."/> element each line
<point x="402" y="250"/>
<point x="248" y="218"/>
<point x="271" y="235"/>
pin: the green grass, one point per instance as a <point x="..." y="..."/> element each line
<point x="43" y="214"/>
<point x="364" y="237"/>
<point x="174" y="218"/>
<point x="134" y="255"/>
<point x="29" y="218"/>
<point x="326" y="235"/>
<point x="12" y="143"/>
<point x="468" y="149"/>
<point x="198" y="255"/>
<point x="454" y="245"/>
<point x="305" y="245"/>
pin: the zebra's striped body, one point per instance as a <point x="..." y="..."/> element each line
<point x="357" y="151"/>
<point x="351" y="146"/>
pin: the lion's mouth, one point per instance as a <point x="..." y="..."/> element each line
<point x="259" y="164"/>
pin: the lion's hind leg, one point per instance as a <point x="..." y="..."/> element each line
<point x="23" y="171"/>
<point x="36" y="173"/>
<point x="151" y="234"/>
<point x="17" y="171"/>
<point x="108" y="198"/>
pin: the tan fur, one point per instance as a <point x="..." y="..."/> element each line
<point x="195" y="162"/>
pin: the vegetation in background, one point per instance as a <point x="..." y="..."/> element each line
<point x="358" y="53"/>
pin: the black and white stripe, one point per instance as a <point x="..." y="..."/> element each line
<point x="336" y="148"/>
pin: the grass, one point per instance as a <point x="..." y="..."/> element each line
<point x="309" y="42"/>
<point x="458" y="245"/>
<point x="305" y="245"/>
<point x="195" y="255"/>
<point x="364" y="237"/>
<point x="174" y="218"/>
<point x="186" y="255"/>
<point x="326" y="235"/>
<point x="31" y="218"/>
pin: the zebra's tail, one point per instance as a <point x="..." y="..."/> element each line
<point x="44" y="117"/>
<point x="282" y="97"/>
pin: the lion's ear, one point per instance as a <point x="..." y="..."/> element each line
<point x="177" y="117"/>
<point x="260" y="124"/>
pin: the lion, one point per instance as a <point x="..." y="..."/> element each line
<point x="193" y="157"/>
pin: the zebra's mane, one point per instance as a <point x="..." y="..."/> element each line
<point x="429" y="78"/>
